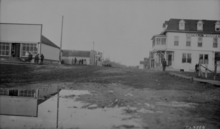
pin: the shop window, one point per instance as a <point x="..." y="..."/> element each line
<point x="27" y="47"/>
<point x="186" y="58"/>
<point x="4" y="49"/>
<point x="215" y="42"/>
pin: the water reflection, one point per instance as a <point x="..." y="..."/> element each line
<point x="71" y="115"/>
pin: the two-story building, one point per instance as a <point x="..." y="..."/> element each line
<point x="186" y="42"/>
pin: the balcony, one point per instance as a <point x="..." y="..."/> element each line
<point x="159" y="43"/>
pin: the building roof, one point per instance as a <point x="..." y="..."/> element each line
<point x="191" y="26"/>
<point x="76" y="53"/>
<point x="158" y="35"/>
<point x="46" y="41"/>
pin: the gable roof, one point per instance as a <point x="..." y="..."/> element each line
<point x="46" y="41"/>
<point x="76" y="53"/>
<point x="191" y="26"/>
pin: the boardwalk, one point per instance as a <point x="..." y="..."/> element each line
<point x="213" y="82"/>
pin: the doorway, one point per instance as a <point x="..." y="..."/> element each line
<point x="169" y="60"/>
<point x="15" y="49"/>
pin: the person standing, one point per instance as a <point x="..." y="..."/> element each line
<point x="75" y="60"/>
<point x="164" y="63"/>
<point x="36" y="58"/>
<point x="197" y="69"/>
<point x="41" y="58"/>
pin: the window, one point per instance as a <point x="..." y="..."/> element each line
<point x="176" y="41"/>
<point x="200" y="25"/>
<point x="163" y="41"/>
<point x="181" y="25"/>
<point x="215" y="42"/>
<point x="27" y="47"/>
<point x="158" y="40"/>
<point x="189" y="58"/>
<point x="188" y="41"/>
<point x="204" y="58"/>
<point x="4" y="49"/>
<point x="186" y="58"/>
<point x="199" y="41"/>
<point x="153" y="42"/>
<point x="217" y="26"/>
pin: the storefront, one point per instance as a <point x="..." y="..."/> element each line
<point x="17" y="39"/>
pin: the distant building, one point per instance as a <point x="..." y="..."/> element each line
<point x="16" y="39"/>
<point x="144" y="64"/>
<point x="74" y="56"/>
<point x="186" y="42"/>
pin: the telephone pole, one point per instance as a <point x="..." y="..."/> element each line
<point x="61" y="37"/>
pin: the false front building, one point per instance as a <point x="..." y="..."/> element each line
<point x="16" y="39"/>
<point x="184" y="43"/>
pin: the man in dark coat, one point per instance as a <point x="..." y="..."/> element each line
<point x="41" y="58"/>
<point x="164" y="63"/>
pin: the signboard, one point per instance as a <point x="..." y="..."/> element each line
<point x="20" y="33"/>
<point x="204" y="35"/>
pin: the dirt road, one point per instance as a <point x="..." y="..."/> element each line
<point x="157" y="99"/>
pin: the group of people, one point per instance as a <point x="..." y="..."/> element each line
<point x="38" y="58"/>
<point x="80" y="62"/>
<point x="201" y="71"/>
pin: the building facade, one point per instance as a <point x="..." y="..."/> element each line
<point x="89" y="57"/>
<point x="184" y="43"/>
<point x="144" y="64"/>
<point x="16" y="39"/>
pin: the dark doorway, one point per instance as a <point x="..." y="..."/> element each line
<point x="15" y="49"/>
<point x="169" y="60"/>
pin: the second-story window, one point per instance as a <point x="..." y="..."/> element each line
<point x="215" y="42"/>
<point x="158" y="40"/>
<point x="163" y="41"/>
<point x="188" y="41"/>
<point x="176" y="40"/>
<point x="153" y="42"/>
<point x="199" y="41"/>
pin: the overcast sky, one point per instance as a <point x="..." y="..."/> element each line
<point x="122" y="29"/>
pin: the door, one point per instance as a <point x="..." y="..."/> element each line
<point x="169" y="60"/>
<point x="15" y="51"/>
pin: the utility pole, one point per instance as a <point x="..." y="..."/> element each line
<point x="93" y="55"/>
<point x="61" y="37"/>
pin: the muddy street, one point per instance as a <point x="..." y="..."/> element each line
<point x="113" y="98"/>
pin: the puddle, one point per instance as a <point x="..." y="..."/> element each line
<point x="176" y="104"/>
<point x="72" y="115"/>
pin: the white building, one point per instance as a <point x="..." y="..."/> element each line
<point x="184" y="43"/>
<point x="74" y="57"/>
<point x="16" y="39"/>
<point x="89" y="57"/>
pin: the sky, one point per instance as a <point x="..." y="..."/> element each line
<point x="121" y="29"/>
